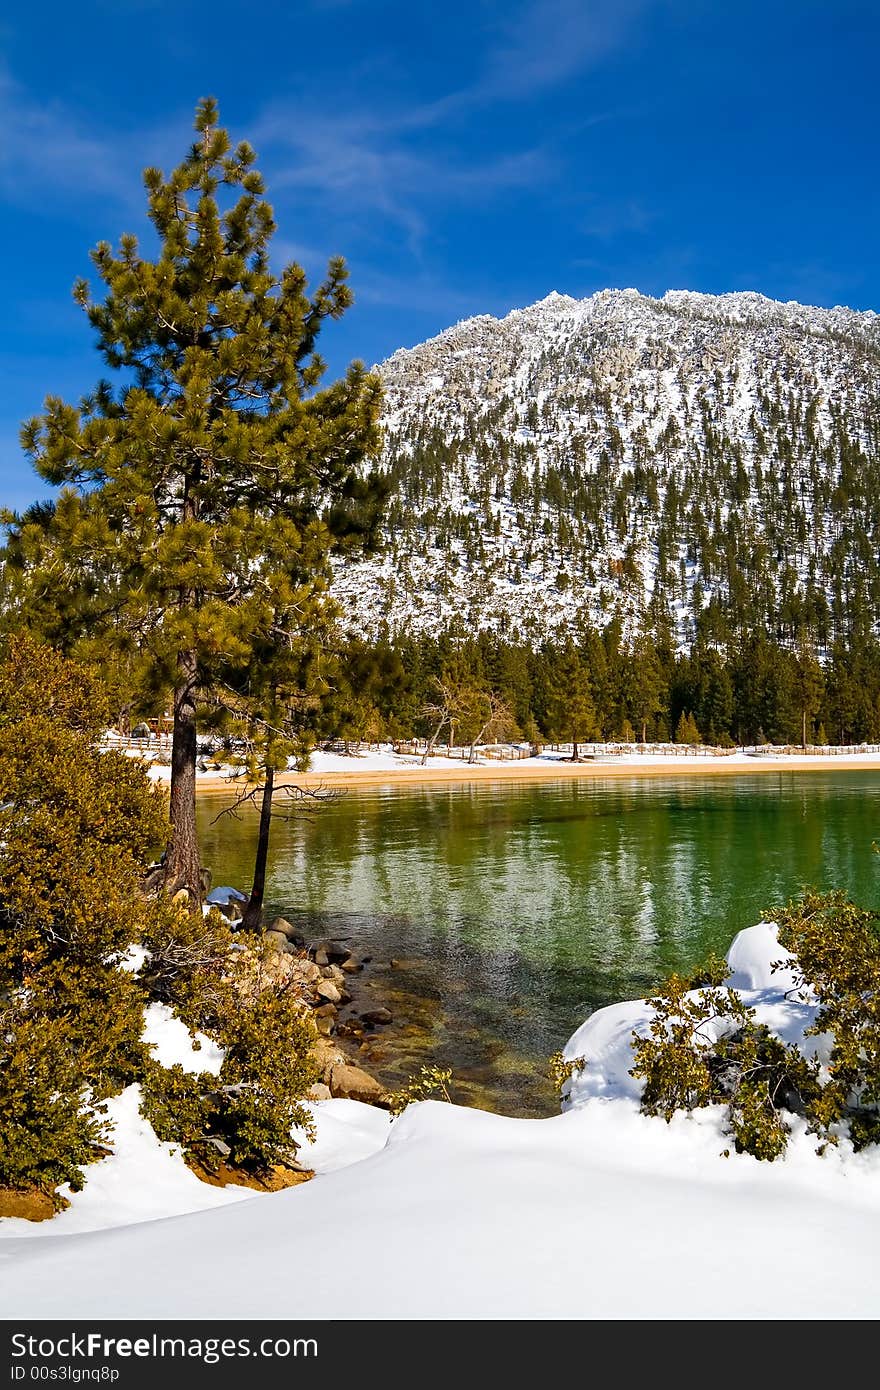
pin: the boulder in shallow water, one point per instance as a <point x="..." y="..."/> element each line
<point x="382" y="1015"/>
<point x="329" y="952"/>
<point x="290" y="931"/>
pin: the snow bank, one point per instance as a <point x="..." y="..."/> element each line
<point x="172" y="1042"/>
<point x="143" y="1180"/>
<point x="599" y="1212"/>
<point x="606" y="1037"/>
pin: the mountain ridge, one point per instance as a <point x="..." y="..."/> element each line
<point x="628" y="457"/>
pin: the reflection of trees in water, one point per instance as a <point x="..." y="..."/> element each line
<point x="525" y="907"/>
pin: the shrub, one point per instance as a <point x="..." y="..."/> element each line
<point x="431" y="1083"/>
<point x="75" y="827"/>
<point x="704" y="1046"/>
<point x="248" y="1111"/>
<point x="189" y="961"/>
<point x="836" y="946"/>
<point x="48" y="1126"/>
<point x="562" y="1071"/>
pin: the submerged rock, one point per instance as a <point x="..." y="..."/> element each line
<point x="382" y="1015"/>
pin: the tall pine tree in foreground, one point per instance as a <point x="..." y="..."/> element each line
<point x="208" y="492"/>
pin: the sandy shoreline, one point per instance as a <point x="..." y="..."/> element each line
<point x="216" y="783"/>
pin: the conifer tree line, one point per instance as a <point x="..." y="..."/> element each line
<point x="598" y="685"/>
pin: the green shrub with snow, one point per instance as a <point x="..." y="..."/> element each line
<point x="429" y="1083"/>
<point x="704" y="1045"/>
<point x="48" y="1126"/>
<point x="246" y="1113"/>
<point x="836" y="946"/>
<point x="77" y="829"/>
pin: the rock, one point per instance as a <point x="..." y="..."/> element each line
<point x="352" y="965"/>
<point x="290" y="931"/>
<point x="327" y="1010"/>
<point x="220" y="1145"/>
<point x="153" y="878"/>
<point x="318" y="1092"/>
<point x="206" y="878"/>
<point x="327" y="1055"/>
<point x="352" y="1083"/>
<point x="378" y="1016"/>
<point x="344" y="996"/>
<point x="326" y="989"/>
<point x="276" y="939"/>
<point x="232" y="911"/>
<point x="324" y="1026"/>
<point x="181" y="896"/>
<point x="326" y="952"/>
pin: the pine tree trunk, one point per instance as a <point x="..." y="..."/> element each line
<point x="804" y="727"/>
<point x="253" y="913"/>
<point x="182" y="866"/>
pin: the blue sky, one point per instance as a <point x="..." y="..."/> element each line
<point x="465" y="158"/>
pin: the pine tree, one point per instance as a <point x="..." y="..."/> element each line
<point x="213" y="486"/>
<point x="571" y="714"/>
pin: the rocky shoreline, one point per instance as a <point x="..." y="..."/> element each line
<point x="329" y="977"/>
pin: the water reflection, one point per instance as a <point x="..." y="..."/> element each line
<point x="516" y="910"/>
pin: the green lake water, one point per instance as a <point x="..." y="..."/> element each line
<point x="499" y="915"/>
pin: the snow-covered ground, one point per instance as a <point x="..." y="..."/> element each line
<point x="598" y="758"/>
<point x="453" y="1213"/>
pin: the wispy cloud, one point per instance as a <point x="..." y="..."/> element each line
<point x="363" y="166"/>
<point x="425" y="294"/>
<point x="45" y="145"/>
<point x="397" y="160"/>
<point x="546" y="42"/>
<point x="611" y="219"/>
<point x="49" y="150"/>
<point x="534" y="47"/>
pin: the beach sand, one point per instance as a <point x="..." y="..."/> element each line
<point x="357" y="771"/>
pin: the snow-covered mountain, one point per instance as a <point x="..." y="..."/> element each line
<point x="652" y="458"/>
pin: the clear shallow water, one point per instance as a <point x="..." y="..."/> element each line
<point x="511" y="912"/>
